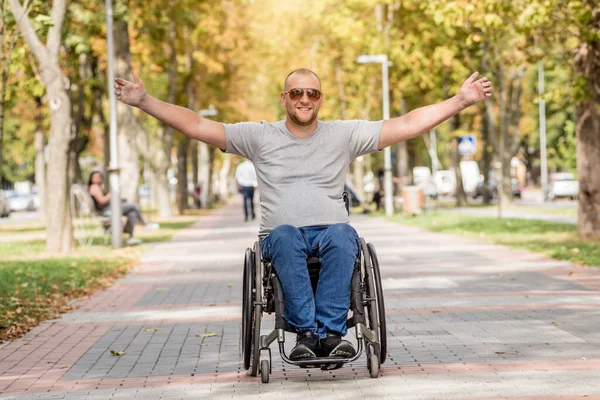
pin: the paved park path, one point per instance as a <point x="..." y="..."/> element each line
<point x="466" y="320"/>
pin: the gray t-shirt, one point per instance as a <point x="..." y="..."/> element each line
<point x="301" y="180"/>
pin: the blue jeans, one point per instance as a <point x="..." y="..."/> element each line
<point x="248" y="193"/>
<point x="337" y="247"/>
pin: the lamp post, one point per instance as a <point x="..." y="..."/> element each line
<point x="387" y="152"/>
<point x="203" y="172"/>
<point x="113" y="169"/>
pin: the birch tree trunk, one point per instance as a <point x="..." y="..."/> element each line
<point x="204" y="172"/>
<point x="59" y="227"/>
<point x="588" y="137"/>
<point x="224" y="178"/>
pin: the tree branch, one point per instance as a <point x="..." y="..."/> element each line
<point x="54" y="34"/>
<point x="36" y="47"/>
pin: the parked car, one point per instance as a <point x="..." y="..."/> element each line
<point x="563" y="184"/>
<point x="445" y="181"/>
<point x="493" y="187"/>
<point x="4" y="206"/>
<point x="21" y="202"/>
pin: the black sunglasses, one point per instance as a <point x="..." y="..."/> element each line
<point x="297" y="93"/>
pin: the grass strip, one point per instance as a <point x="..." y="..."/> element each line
<point x="35" y="286"/>
<point x="557" y="240"/>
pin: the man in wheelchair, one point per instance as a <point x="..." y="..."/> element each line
<point x="301" y="164"/>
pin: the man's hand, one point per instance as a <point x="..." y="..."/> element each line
<point x="130" y="93"/>
<point x="473" y="91"/>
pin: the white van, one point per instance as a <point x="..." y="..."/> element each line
<point x="445" y="181"/>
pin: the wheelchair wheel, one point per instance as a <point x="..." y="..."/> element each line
<point x="247" y="307"/>
<point x="373" y="346"/>
<point x="264" y="371"/>
<point x="380" y="304"/>
<point x="257" y="304"/>
<point x="373" y="365"/>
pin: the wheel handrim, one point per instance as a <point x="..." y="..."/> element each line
<point x="380" y="304"/>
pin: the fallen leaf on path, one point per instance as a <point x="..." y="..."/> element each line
<point x="208" y="334"/>
<point x="151" y="329"/>
<point x="117" y="353"/>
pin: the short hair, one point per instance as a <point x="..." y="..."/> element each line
<point x="301" y="71"/>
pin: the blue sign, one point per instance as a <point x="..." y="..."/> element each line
<point x="467" y="145"/>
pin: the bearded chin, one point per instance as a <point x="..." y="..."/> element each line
<point x="299" y="122"/>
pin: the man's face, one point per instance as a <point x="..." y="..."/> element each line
<point x="304" y="110"/>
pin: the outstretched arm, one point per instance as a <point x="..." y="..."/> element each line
<point x="423" y="119"/>
<point x="181" y="119"/>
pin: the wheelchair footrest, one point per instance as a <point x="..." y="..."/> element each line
<point x="325" y="363"/>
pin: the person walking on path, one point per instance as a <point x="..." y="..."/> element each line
<point x="301" y="164"/>
<point x="245" y="176"/>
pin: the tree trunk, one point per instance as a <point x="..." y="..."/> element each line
<point x="40" y="161"/>
<point x="402" y="155"/>
<point x="194" y="156"/>
<point x="181" y="194"/>
<point x="461" y="195"/>
<point x="80" y="122"/>
<point x="504" y="189"/>
<point x="588" y="138"/>
<point x="59" y="228"/>
<point x="204" y="173"/>
<point x="5" y="59"/>
<point x="224" y="178"/>
<point x="213" y="189"/>
<point x="358" y="172"/>
<point x="487" y="129"/>
<point x="128" y="126"/>
<point x="100" y="119"/>
<point x="163" y="161"/>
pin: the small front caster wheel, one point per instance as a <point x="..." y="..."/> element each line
<point x="264" y="371"/>
<point x="374" y="366"/>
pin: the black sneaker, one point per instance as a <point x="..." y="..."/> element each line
<point x="334" y="346"/>
<point x="307" y="345"/>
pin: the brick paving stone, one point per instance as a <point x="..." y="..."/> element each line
<point x="465" y="319"/>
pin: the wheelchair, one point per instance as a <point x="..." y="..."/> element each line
<point x="262" y="293"/>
